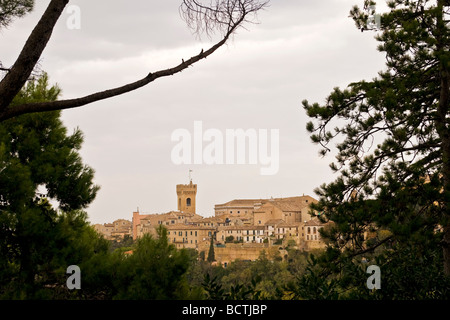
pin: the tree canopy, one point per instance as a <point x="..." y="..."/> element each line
<point x="391" y="198"/>
<point x="44" y="186"/>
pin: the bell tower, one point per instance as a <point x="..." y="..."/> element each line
<point x="186" y="194"/>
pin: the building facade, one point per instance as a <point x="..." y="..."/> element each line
<point x="238" y="226"/>
<point x="186" y="194"/>
<point x="116" y="230"/>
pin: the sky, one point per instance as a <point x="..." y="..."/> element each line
<point x="299" y="49"/>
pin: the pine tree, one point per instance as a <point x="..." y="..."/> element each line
<point x="393" y="152"/>
<point x="37" y="156"/>
<point x="10" y="9"/>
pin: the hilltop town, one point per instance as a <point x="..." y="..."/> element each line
<point x="240" y="228"/>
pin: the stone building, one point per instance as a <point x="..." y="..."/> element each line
<point x="243" y="234"/>
<point x="116" y="230"/>
<point x="186" y="194"/>
<point x="240" y="228"/>
<point x="190" y="236"/>
<point x="311" y="235"/>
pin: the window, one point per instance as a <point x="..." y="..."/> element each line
<point x="314" y="230"/>
<point x="188" y="202"/>
<point x="309" y="230"/>
<point x="307" y="237"/>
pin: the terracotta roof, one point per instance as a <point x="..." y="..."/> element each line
<point x="243" y="227"/>
<point x="288" y="205"/>
<point x="313" y="222"/>
<point x="285" y="204"/>
<point x="187" y="227"/>
<point x="289" y="225"/>
<point x="274" y="222"/>
<point x="213" y="219"/>
<point x="239" y="203"/>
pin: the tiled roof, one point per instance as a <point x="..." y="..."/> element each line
<point x="239" y="203"/>
<point x="313" y="222"/>
<point x="274" y="222"/>
<point x="188" y="227"/>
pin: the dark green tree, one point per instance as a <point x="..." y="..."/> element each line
<point x="155" y="270"/>
<point x="37" y="156"/>
<point x="393" y="156"/>
<point x="211" y="254"/>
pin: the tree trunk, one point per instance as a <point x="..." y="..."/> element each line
<point x="30" y="54"/>
<point x="443" y="130"/>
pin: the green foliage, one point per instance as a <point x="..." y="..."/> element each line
<point x="10" y="9"/>
<point x="124" y="244"/>
<point x="312" y="284"/>
<point x="215" y="291"/>
<point x="155" y="270"/>
<point x="262" y="279"/>
<point x="392" y="160"/>
<point x="39" y="241"/>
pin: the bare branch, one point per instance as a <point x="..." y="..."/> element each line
<point x="220" y="15"/>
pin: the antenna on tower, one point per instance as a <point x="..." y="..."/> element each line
<point x="190" y="178"/>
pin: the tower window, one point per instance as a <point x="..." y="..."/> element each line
<point x="188" y="202"/>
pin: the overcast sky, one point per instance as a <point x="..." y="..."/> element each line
<point x="301" y="49"/>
